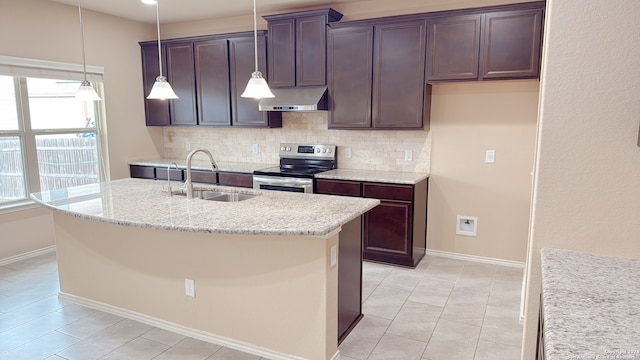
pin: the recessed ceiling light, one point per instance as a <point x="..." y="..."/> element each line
<point x="149" y="2"/>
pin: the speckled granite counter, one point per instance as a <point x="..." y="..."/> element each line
<point x="145" y="203"/>
<point x="591" y="306"/>
<point x="392" y="177"/>
<point x="200" y="164"/>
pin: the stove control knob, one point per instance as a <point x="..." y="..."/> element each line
<point x="282" y="148"/>
<point x="288" y="148"/>
<point x="324" y="151"/>
<point x="329" y="150"/>
<point x="318" y="150"/>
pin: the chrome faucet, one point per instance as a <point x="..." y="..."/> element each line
<point x="188" y="185"/>
<point x="169" y="176"/>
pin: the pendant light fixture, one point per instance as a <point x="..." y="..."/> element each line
<point x="161" y="88"/>
<point x="85" y="92"/>
<point x="257" y="87"/>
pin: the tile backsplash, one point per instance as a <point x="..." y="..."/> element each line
<point x="370" y="149"/>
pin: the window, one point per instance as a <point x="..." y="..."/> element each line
<point x="48" y="139"/>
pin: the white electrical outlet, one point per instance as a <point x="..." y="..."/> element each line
<point x="347" y="153"/>
<point x="255" y="148"/>
<point x="187" y="145"/>
<point x="408" y="155"/>
<point x="490" y="157"/>
<point x="190" y="287"/>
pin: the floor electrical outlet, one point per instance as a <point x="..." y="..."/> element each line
<point x="190" y="287"/>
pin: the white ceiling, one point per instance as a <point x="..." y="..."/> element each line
<point x="184" y="10"/>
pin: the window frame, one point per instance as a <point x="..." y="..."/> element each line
<point x="20" y="70"/>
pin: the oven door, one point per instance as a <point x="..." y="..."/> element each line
<point x="279" y="183"/>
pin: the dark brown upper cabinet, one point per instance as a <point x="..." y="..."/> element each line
<point x="398" y="75"/>
<point x="454" y="48"/>
<point x="376" y="75"/>
<point x="297" y="45"/>
<point x="241" y="58"/>
<point x="489" y="45"/>
<point x="208" y="74"/>
<point x="350" y="72"/>
<point x="212" y="82"/>
<point x="511" y="44"/>
<point x="156" y="111"/>
<point x="181" y="76"/>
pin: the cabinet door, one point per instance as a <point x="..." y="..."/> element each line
<point x="212" y="83"/>
<point x="235" y="179"/>
<point x="454" y="48"/>
<point x="245" y="111"/>
<point x="311" y="50"/>
<point x="387" y="232"/>
<point x="398" y="75"/>
<point x="511" y="44"/>
<point x="349" y="69"/>
<point x="181" y="76"/>
<point x="338" y="187"/>
<point x="156" y="111"/>
<point x="282" y="53"/>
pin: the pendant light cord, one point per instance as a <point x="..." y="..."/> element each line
<point x="158" y="25"/>
<point x="84" y="61"/>
<point x="255" y="34"/>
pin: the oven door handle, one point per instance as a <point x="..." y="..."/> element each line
<point x="282" y="181"/>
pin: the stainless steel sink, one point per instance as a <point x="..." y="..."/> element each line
<point x="222" y="196"/>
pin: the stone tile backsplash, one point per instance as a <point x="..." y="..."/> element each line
<point x="370" y="150"/>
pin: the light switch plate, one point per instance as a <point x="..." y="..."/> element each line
<point x="490" y="157"/>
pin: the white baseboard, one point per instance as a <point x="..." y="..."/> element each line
<point x="182" y="330"/>
<point x="474" y="258"/>
<point x="27" y="255"/>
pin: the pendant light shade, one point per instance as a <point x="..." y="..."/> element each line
<point x="257" y="87"/>
<point x="161" y="88"/>
<point x="85" y="92"/>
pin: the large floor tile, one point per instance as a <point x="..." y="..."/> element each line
<point x="465" y="307"/>
<point x="32" y="330"/>
<point x="230" y="354"/>
<point x="138" y="348"/>
<point x="190" y="349"/>
<point x="506" y="293"/>
<point x="503" y="326"/>
<point x="41" y="348"/>
<point x="398" y="347"/>
<point x="364" y="337"/>
<point x="402" y="278"/>
<point x="163" y="336"/>
<point x="432" y="291"/>
<point x="488" y="350"/>
<point x="385" y="302"/>
<point x="452" y="341"/>
<point x="415" y="321"/>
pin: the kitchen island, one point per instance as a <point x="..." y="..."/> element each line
<point x="264" y="270"/>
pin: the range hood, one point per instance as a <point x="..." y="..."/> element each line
<point x="306" y="98"/>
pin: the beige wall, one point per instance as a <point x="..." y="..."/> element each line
<point x="467" y="120"/>
<point x="25" y="231"/>
<point x="587" y="184"/>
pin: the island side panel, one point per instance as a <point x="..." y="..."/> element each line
<point x="273" y="293"/>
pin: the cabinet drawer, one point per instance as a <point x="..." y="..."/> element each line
<point x="161" y="174"/>
<point x="390" y="192"/>
<point x="200" y="176"/>
<point x="336" y="187"/>
<point x="235" y="179"/>
<point x="142" y="172"/>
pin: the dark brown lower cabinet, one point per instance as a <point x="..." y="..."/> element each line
<point x="540" y="345"/>
<point x="349" y="277"/>
<point x="395" y="231"/>
<point x="197" y="176"/>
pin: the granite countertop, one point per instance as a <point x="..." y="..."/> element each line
<point x="591" y="306"/>
<point x="200" y="164"/>
<point x="394" y="177"/>
<point x="147" y="204"/>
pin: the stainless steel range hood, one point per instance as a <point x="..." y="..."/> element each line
<point x="307" y="98"/>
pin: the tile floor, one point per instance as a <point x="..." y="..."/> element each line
<point x="443" y="309"/>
